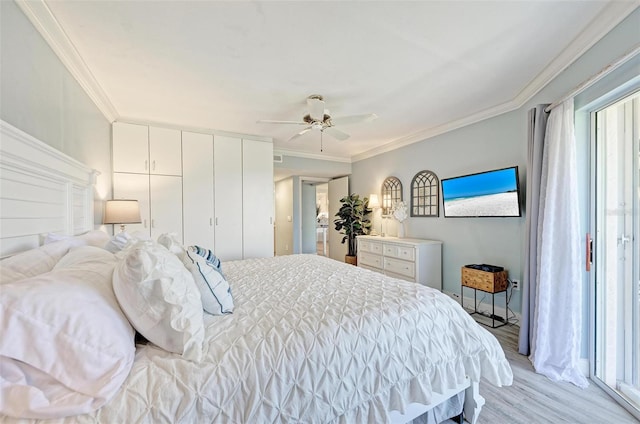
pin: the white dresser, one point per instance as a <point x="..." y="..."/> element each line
<point x="409" y="259"/>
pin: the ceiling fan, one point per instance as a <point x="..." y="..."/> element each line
<point x="318" y="118"/>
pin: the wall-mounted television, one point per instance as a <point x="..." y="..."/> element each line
<point x="485" y="194"/>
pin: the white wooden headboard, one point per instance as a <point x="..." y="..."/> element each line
<point x="41" y="190"/>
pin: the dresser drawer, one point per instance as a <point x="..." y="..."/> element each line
<point x="370" y="259"/>
<point x="370" y="246"/>
<point x="416" y="260"/>
<point x="400" y="267"/>
<point x="402" y="252"/>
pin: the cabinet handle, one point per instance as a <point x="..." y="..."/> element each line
<point x="153" y="165"/>
<point x="145" y="223"/>
<point x="153" y="223"/>
<point x="210" y="222"/>
<point x="216" y="220"/>
<point x="146" y="164"/>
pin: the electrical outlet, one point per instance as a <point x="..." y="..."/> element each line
<point x="515" y="284"/>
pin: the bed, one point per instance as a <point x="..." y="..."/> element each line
<point x="309" y="340"/>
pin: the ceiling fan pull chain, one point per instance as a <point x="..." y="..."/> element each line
<point x="321" y="132"/>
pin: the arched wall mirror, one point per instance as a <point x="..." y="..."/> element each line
<point x="391" y="193"/>
<point x="425" y="194"/>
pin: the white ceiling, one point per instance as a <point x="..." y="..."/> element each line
<point x="422" y="67"/>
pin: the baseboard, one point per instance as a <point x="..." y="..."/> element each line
<point x="583" y="366"/>
<point x="485" y="307"/>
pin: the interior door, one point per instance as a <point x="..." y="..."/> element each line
<point x="165" y="151"/>
<point x="197" y="189"/>
<point x="227" y="169"/>
<point x="308" y="218"/>
<point x="616" y="241"/>
<point x="165" y="195"/>
<point x="338" y="188"/>
<point x="130" y="148"/>
<point x="257" y="199"/>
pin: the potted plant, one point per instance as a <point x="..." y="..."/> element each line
<point x="352" y="221"/>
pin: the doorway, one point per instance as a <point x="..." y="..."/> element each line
<point x="315" y="217"/>
<point x="322" y="209"/>
<point x="616" y="235"/>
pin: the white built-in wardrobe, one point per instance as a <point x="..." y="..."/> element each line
<point x="212" y="191"/>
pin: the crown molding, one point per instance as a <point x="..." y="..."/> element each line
<point x="45" y="22"/>
<point x="611" y="15"/>
<point x="441" y="129"/>
<point x="293" y="153"/>
<point x="200" y="130"/>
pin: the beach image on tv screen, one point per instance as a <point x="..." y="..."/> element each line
<point x="493" y="193"/>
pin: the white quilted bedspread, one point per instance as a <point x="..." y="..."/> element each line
<point x="311" y="340"/>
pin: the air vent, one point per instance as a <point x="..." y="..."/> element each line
<point x="277" y="158"/>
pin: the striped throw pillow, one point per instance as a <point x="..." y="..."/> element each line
<point x="215" y="291"/>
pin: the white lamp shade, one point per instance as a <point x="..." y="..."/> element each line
<point x="374" y="202"/>
<point x="121" y="212"/>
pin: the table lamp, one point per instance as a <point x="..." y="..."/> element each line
<point x="121" y="212"/>
<point x="374" y="203"/>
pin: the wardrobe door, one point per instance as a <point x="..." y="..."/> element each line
<point x="130" y="148"/>
<point x="257" y="199"/>
<point x="165" y="194"/>
<point x="165" y="153"/>
<point x="227" y="168"/>
<point x="197" y="189"/>
<point x="134" y="187"/>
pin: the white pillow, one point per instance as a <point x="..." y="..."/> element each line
<point x="95" y="238"/>
<point x="160" y="298"/>
<point x="118" y="242"/>
<point x="214" y="289"/>
<point x="123" y="240"/>
<point x="66" y="347"/>
<point x="172" y="244"/>
<point x="35" y="261"/>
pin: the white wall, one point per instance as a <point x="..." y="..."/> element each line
<point x="39" y="96"/>
<point x="494" y="143"/>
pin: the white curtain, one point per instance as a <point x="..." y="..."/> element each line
<point x="557" y="326"/>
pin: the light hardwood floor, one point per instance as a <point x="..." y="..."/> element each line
<point x="534" y="399"/>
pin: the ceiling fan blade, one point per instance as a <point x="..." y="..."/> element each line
<point x="335" y="133"/>
<point x="304" y="131"/>
<point x="268" y="121"/>
<point x="316" y="108"/>
<point x="354" y="119"/>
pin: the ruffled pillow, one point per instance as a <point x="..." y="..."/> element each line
<point x="171" y="243"/>
<point x="206" y="270"/>
<point x="160" y="298"/>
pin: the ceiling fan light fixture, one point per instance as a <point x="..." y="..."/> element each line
<point x="320" y="118"/>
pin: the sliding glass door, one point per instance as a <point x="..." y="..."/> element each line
<point x="616" y="251"/>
